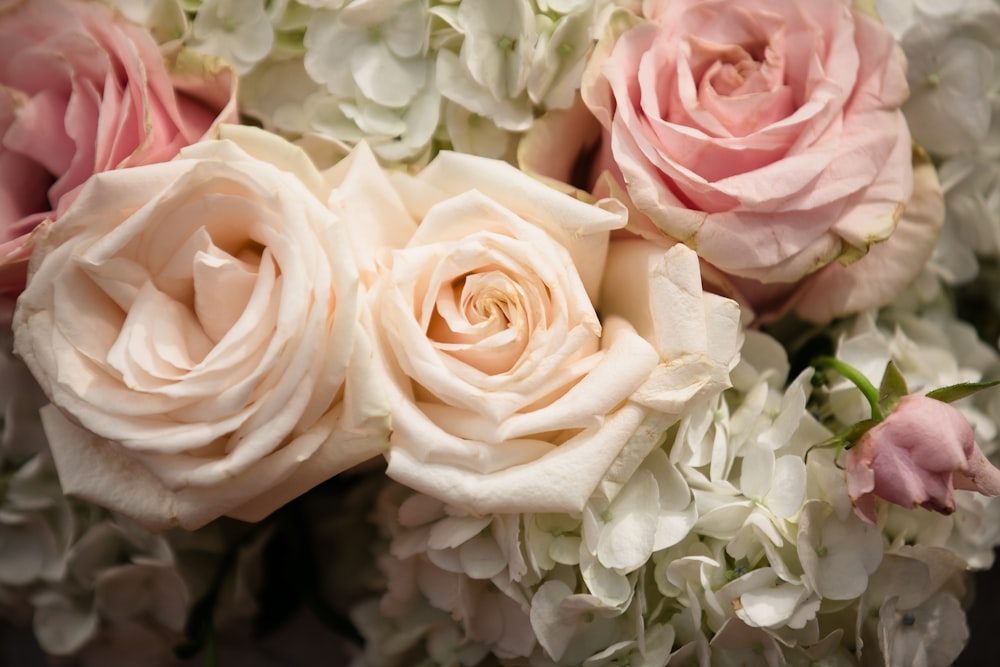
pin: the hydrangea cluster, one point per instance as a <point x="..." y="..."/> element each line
<point x="410" y="77"/>
<point x="953" y="56"/>
<point x="733" y="538"/>
<point x="92" y="584"/>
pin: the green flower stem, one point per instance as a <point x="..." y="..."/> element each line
<point x="857" y="377"/>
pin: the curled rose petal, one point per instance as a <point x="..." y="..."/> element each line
<point x="871" y="281"/>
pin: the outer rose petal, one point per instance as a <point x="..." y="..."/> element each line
<point x="872" y="281"/>
<point x="875" y="279"/>
<point x="201" y="341"/>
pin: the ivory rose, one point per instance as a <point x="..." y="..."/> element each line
<point x="508" y="392"/>
<point x="917" y="456"/>
<point x="84" y="90"/>
<point x="765" y="134"/>
<point x="196" y="326"/>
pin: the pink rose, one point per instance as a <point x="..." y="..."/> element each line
<point x="917" y="456"/>
<point x="766" y="134"/>
<point x="83" y="90"/>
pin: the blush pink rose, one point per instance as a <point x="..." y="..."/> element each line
<point x="765" y="134"/>
<point x="918" y="456"/>
<point x="83" y="90"/>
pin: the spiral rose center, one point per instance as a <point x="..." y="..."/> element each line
<point x="481" y="319"/>
<point x="734" y="78"/>
<point x="741" y="83"/>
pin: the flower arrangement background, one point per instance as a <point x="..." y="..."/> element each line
<point x="463" y="332"/>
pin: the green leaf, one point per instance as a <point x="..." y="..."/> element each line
<point x="854" y="433"/>
<point x="955" y="392"/>
<point x="892" y="388"/>
<point x="846" y="439"/>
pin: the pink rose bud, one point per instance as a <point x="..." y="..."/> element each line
<point x="918" y="456"/>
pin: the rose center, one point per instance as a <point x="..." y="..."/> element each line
<point x="480" y="318"/>
<point x="727" y="78"/>
<point x="743" y="70"/>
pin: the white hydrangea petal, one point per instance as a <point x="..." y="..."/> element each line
<point x="446" y="559"/>
<point x="457" y="85"/>
<point x="418" y="509"/>
<point x="453" y="531"/>
<point x="385" y="79"/>
<point x="612" y="588"/>
<point x="565" y="550"/>
<point x="788" y="488"/>
<point x="481" y="557"/>
<point x="472" y="133"/>
<point x="155" y="589"/>
<point x="757" y="472"/>
<point x="626" y="538"/>
<point x="329" y="45"/>
<point x="558" y="63"/>
<point x="837" y="555"/>
<point x="772" y="606"/>
<point x="499" y="37"/>
<point x="932" y="634"/>
<point x="791" y="413"/>
<point x="720" y="516"/>
<point x="406" y="34"/>
<point x="551" y="623"/>
<point x="62" y="626"/>
<point x="962" y="72"/>
<point x="238" y="31"/>
<point x="36" y="547"/>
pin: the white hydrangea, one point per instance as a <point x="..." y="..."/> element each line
<point x="513" y="61"/>
<point x="165" y="19"/>
<point x="33" y="512"/>
<point x="727" y="541"/>
<point x="912" y="612"/>
<point x="702" y="544"/>
<point x="122" y="601"/>
<point x="953" y="68"/>
<point x="97" y="587"/>
<point x="408" y="76"/>
<point x="239" y="31"/>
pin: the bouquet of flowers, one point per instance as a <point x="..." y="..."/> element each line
<point x="498" y="332"/>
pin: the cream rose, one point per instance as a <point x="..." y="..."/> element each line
<point x="509" y="393"/>
<point x="196" y="326"/>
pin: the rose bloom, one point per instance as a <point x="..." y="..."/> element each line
<point x="765" y="134"/>
<point x="918" y="456"/>
<point x="196" y="326"/>
<point x="508" y="392"/>
<point x="83" y="90"/>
